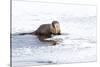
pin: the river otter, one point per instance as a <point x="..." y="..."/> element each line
<point x="46" y="30"/>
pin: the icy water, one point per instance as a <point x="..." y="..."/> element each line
<point x="79" y="22"/>
<point x="27" y="50"/>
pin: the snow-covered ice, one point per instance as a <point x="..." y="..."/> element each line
<point x="78" y="21"/>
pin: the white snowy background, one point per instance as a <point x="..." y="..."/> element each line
<point x="79" y="21"/>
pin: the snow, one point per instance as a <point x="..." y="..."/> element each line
<point x="77" y="21"/>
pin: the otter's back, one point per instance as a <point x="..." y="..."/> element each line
<point x="43" y="29"/>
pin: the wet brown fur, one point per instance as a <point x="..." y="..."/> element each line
<point x="46" y="31"/>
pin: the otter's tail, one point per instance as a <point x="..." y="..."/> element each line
<point x="31" y="33"/>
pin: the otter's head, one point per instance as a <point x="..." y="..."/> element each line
<point x="55" y="27"/>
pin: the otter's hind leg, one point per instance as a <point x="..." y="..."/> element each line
<point x="42" y="38"/>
